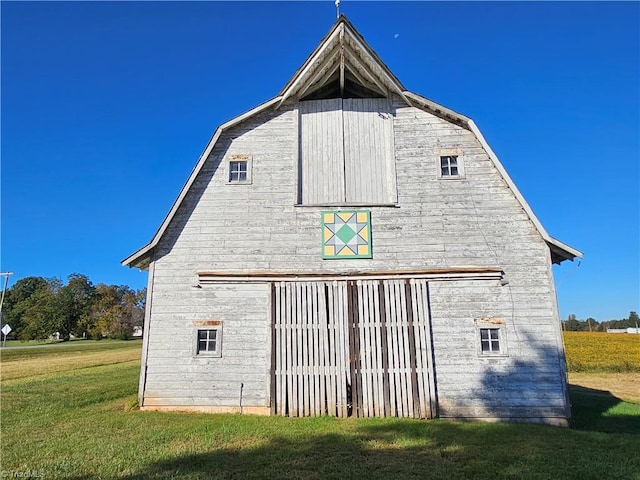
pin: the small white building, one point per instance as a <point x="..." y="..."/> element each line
<point x="347" y="248"/>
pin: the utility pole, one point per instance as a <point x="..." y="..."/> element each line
<point x="6" y="329"/>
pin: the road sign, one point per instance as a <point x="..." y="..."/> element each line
<point x="6" y="329"/>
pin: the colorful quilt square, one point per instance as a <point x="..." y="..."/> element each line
<point x="346" y="235"/>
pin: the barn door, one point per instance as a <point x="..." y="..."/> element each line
<point x="352" y="348"/>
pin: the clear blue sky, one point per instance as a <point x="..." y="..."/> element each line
<point x="106" y="108"/>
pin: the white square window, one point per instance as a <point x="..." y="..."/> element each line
<point x="449" y="166"/>
<point x="208" y="342"/>
<point x="492" y="341"/>
<point x="239" y="169"/>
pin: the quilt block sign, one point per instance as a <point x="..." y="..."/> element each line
<point x="346" y="234"/>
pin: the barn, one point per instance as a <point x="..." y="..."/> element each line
<point x="351" y="248"/>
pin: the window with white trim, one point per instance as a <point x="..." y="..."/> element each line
<point x="237" y="172"/>
<point x="449" y="166"/>
<point x="239" y="169"/>
<point x="490" y="341"/>
<point x="209" y="342"/>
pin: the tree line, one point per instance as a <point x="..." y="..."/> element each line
<point x="572" y="324"/>
<point x="37" y="308"/>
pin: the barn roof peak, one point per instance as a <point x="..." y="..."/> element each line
<point x="342" y="65"/>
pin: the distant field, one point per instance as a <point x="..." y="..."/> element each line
<point x="50" y="359"/>
<point x="602" y="352"/>
<point x="66" y="413"/>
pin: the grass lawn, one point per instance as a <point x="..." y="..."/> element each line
<point x="69" y="419"/>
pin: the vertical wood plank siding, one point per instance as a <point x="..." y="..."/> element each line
<point x="333" y="376"/>
<point x="368" y="151"/>
<point x="347" y="151"/>
<point x="472" y="221"/>
<point x="322" y="151"/>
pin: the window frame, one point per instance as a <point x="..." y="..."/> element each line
<point x="501" y="339"/>
<point x="447" y="164"/>
<point x="217" y="352"/>
<point x="239" y="159"/>
<point x="440" y="153"/>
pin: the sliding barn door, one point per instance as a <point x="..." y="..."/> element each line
<point x="346" y="348"/>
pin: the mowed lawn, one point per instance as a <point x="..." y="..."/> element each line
<point x="66" y="413"/>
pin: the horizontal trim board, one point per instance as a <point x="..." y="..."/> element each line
<point x="347" y="205"/>
<point x="442" y="274"/>
<point x="262" y="411"/>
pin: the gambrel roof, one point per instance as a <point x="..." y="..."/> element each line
<point x="344" y="63"/>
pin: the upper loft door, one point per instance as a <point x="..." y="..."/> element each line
<point x="370" y="174"/>
<point x="346" y="152"/>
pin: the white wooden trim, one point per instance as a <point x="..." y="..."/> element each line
<point x="309" y="64"/>
<point x="206" y="278"/>
<point x="145" y="334"/>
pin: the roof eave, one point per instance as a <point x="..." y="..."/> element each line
<point x="561" y="251"/>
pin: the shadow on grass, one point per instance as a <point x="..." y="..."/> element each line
<point x="601" y="411"/>
<point x="409" y="449"/>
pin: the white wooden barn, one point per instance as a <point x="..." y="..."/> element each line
<point x="352" y="248"/>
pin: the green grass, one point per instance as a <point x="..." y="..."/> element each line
<point x="73" y="424"/>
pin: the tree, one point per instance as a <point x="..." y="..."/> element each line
<point x="572" y="324"/>
<point x="634" y="319"/>
<point x="37" y="307"/>
<point x="17" y="301"/>
<point x="115" y="310"/>
<point x="41" y="313"/>
<point x="74" y="303"/>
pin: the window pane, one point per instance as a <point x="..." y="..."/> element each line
<point x="454" y="170"/>
<point x="207" y="340"/>
<point x="238" y="171"/>
<point x="444" y="162"/>
<point x="490" y="340"/>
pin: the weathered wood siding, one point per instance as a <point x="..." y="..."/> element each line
<point x="368" y="150"/>
<point x="523" y="383"/>
<point x="175" y="376"/>
<point x="322" y="169"/>
<point x="472" y="221"/>
<point x="346" y="151"/>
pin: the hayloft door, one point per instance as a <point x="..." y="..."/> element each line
<point x="359" y="348"/>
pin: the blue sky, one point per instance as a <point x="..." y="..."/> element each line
<point x="106" y="108"/>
